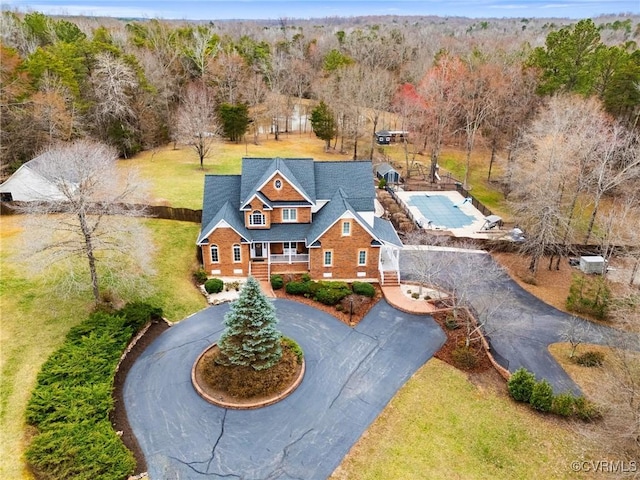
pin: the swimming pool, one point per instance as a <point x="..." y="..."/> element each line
<point x="440" y="210"/>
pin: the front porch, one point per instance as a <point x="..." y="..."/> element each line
<point x="278" y="257"/>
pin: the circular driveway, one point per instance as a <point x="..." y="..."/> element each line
<point x="352" y="373"/>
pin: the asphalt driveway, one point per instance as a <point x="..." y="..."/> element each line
<point x="522" y="327"/>
<point x="351" y="375"/>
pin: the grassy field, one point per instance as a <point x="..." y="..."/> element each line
<point x="439" y="425"/>
<point x="34" y="323"/>
<point x="175" y="176"/>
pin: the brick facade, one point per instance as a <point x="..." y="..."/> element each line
<point x="225" y="238"/>
<point x="285" y="193"/>
<point x="257" y="205"/>
<point x="345" y="254"/>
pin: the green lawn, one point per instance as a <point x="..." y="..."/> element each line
<point x="175" y="177"/>
<point x="439" y="425"/>
<point x="34" y="322"/>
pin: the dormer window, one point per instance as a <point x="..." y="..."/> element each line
<point x="278" y="184"/>
<point x="257" y="218"/>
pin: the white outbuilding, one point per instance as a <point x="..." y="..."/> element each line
<point x="27" y="184"/>
<point x="592" y="264"/>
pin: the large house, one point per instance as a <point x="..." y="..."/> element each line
<point x="297" y="215"/>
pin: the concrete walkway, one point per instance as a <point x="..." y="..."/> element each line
<point x="396" y="298"/>
<point x="351" y="375"/>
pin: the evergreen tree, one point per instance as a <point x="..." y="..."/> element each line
<point x="234" y="120"/>
<point x="323" y="123"/>
<point x="250" y="337"/>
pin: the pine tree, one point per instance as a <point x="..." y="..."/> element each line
<point x="250" y="337"/>
<point x="323" y="123"/>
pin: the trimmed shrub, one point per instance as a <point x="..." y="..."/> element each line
<point x="200" y="276"/>
<point x="306" y="277"/>
<point x="277" y="282"/>
<point x="297" y="288"/>
<point x="339" y="307"/>
<point x="563" y="404"/>
<point x="363" y="288"/>
<point x="541" y="396"/>
<point x="71" y="402"/>
<point x="415" y="296"/>
<point x="214" y="285"/>
<point x="382" y="183"/>
<point x="463" y="357"/>
<point x="331" y="293"/>
<point x="521" y="385"/>
<point x="590" y="358"/>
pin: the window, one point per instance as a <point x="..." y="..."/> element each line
<point x="237" y="257"/>
<point x="346" y="228"/>
<point x="362" y="257"/>
<point x="328" y="258"/>
<point x="289" y="214"/>
<point x="214" y="254"/>
<point x="278" y="184"/>
<point x="257" y="218"/>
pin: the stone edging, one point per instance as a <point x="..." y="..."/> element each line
<point x="243" y="406"/>
<point x="134" y="340"/>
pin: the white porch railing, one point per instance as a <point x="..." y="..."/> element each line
<point x="285" y="258"/>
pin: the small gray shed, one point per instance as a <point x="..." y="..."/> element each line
<point x="592" y="264"/>
<point x="386" y="171"/>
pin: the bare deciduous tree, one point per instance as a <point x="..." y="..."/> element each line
<point x="90" y="216"/>
<point x="196" y="120"/>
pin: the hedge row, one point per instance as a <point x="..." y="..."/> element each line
<point x="328" y="292"/>
<point x="523" y="387"/>
<point x="70" y="404"/>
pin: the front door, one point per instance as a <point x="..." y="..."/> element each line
<point x="258" y="250"/>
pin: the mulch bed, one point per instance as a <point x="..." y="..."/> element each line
<point x="118" y="415"/>
<point x="361" y="305"/>
<point x="244" y="385"/>
<point x="455" y="338"/>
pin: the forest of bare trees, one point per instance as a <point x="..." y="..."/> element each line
<point x="125" y="82"/>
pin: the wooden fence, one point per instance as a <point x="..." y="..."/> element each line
<point x="151" y="211"/>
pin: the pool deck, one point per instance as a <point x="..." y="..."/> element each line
<point x="474" y="230"/>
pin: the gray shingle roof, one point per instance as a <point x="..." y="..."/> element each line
<point x="384" y="168"/>
<point x="384" y="231"/>
<point x="348" y="186"/>
<point x="256" y="171"/>
<point x="331" y="212"/>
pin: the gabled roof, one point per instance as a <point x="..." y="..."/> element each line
<point x="331" y="213"/>
<point x="256" y="172"/>
<point x="220" y="203"/>
<point x="347" y="187"/>
<point x="384" y="168"/>
<point x="265" y="201"/>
